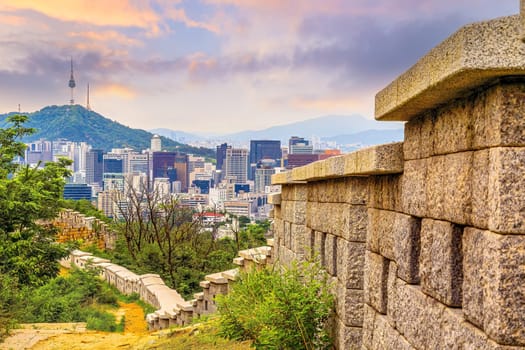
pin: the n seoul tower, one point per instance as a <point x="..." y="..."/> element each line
<point x="72" y="84"/>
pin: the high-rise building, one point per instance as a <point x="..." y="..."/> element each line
<point x="77" y="191"/>
<point x="263" y="175"/>
<point x="79" y="158"/>
<point x="113" y="163"/>
<point x="298" y="145"/>
<point x="297" y="160"/>
<point x="138" y="163"/>
<point x="108" y="202"/>
<point x="181" y="166"/>
<point x="236" y="164"/>
<point x="263" y="149"/>
<point x="195" y="162"/>
<point x="113" y="181"/>
<point x="94" y="166"/>
<point x="203" y="185"/>
<point x="40" y="151"/>
<point x="221" y="155"/>
<point x="162" y="161"/>
<point x="156" y="143"/>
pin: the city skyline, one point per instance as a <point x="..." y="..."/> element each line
<point x="219" y="65"/>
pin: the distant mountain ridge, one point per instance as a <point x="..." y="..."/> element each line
<point x="369" y="137"/>
<point x="325" y="126"/>
<point x="76" y="123"/>
<point x="353" y="129"/>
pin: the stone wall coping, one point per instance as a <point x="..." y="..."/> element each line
<point x="216" y="278"/>
<point x="258" y="254"/>
<point x="376" y="160"/>
<point x="475" y="55"/>
<point x="238" y="261"/>
<point x="231" y="274"/>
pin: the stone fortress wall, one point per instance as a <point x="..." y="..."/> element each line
<point x="425" y="239"/>
<point x="172" y="308"/>
<point x="74" y="226"/>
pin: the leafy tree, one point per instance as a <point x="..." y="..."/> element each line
<point x="27" y="249"/>
<point x="279" y="308"/>
<point x="28" y="253"/>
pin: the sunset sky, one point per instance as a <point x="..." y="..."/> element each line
<point x="220" y="65"/>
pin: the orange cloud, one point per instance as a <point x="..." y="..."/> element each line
<point x="98" y="12"/>
<point x="120" y="13"/>
<point x="114" y="89"/>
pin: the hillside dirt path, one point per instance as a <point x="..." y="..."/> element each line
<point x="69" y="336"/>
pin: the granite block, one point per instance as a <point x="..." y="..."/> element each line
<point x="369" y="315"/>
<point x="453" y="129"/>
<point x="355" y="190"/>
<point x="319" y="250"/>
<point x="349" y="306"/>
<point x="354" y="223"/>
<point x="350" y="263"/>
<point x="435" y="185"/>
<point x="347" y="337"/>
<point x="507" y="190"/>
<point x="480" y="189"/>
<point x="441" y="259"/>
<point x="386" y="337"/>
<point x="385" y="192"/>
<point x="407" y="247"/>
<point x="457" y="187"/>
<point x="418" y="317"/>
<point x="412" y="143"/>
<point x="503" y="288"/>
<point x="381" y="227"/>
<point x="287" y="234"/>
<point x="502" y="123"/>
<point x="375" y="281"/>
<point x="391" y="287"/>
<point x="299" y="238"/>
<point x="414" y="188"/>
<point x="473" y="275"/>
<point x="330" y="254"/>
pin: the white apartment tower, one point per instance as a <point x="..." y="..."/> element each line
<point x="236" y="164"/>
<point x="156" y="144"/>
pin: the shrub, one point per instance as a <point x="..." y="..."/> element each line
<point x="100" y="321"/>
<point x="279" y="308"/>
<point x="77" y="297"/>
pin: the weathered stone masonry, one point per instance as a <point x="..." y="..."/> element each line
<point x="425" y="239"/>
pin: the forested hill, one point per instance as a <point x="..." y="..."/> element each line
<point x="76" y="123"/>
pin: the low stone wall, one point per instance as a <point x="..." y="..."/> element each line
<point x="172" y="308"/>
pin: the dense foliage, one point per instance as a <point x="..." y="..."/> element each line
<point x="78" y="297"/>
<point x="76" y="123"/>
<point x="279" y="308"/>
<point x="28" y="252"/>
